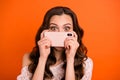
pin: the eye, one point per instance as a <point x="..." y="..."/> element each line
<point x="53" y="28"/>
<point x="67" y="28"/>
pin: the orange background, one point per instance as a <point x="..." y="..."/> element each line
<point x="100" y="19"/>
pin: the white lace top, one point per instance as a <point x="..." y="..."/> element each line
<point x="58" y="72"/>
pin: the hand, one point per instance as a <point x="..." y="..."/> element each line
<point x="71" y="46"/>
<point x="44" y="45"/>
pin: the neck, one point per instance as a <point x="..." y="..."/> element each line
<point x="58" y="55"/>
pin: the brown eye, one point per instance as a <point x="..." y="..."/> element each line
<point x="67" y="28"/>
<point x="53" y="28"/>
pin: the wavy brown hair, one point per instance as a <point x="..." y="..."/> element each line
<point x="80" y="56"/>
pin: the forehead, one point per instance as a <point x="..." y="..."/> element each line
<point x="59" y="19"/>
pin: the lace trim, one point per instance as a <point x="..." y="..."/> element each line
<point x="58" y="72"/>
<point x="88" y="67"/>
<point x="25" y="74"/>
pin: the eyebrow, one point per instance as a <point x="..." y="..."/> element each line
<point x="63" y="25"/>
<point x="53" y="24"/>
<point x="67" y="24"/>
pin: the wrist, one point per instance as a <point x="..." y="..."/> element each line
<point x="43" y="59"/>
<point x="70" y="60"/>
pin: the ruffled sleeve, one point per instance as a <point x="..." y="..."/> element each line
<point x="88" y="67"/>
<point x="25" y="74"/>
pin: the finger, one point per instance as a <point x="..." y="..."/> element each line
<point x="75" y="35"/>
<point x="42" y="34"/>
<point x="68" y="47"/>
<point x="65" y="43"/>
<point x="69" y="44"/>
<point x="44" y="44"/>
<point x="70" y="38"/>
<point x="48" y="44"/>
<point x="43" y="40"/>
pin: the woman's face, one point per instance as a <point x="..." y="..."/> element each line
<point x="61" y="23"/>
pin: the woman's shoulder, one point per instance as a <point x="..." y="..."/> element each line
<point x="88" y="64"/>
<point x="88" y="60"/>
<point x="26" y="60"/>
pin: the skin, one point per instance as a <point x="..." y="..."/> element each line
<point x="58" y="23"/>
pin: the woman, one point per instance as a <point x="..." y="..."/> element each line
<point x="58" y="63"/>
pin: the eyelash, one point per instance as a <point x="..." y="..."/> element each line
<point x="67" y="28"/>
<point x="52" y="28"/>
